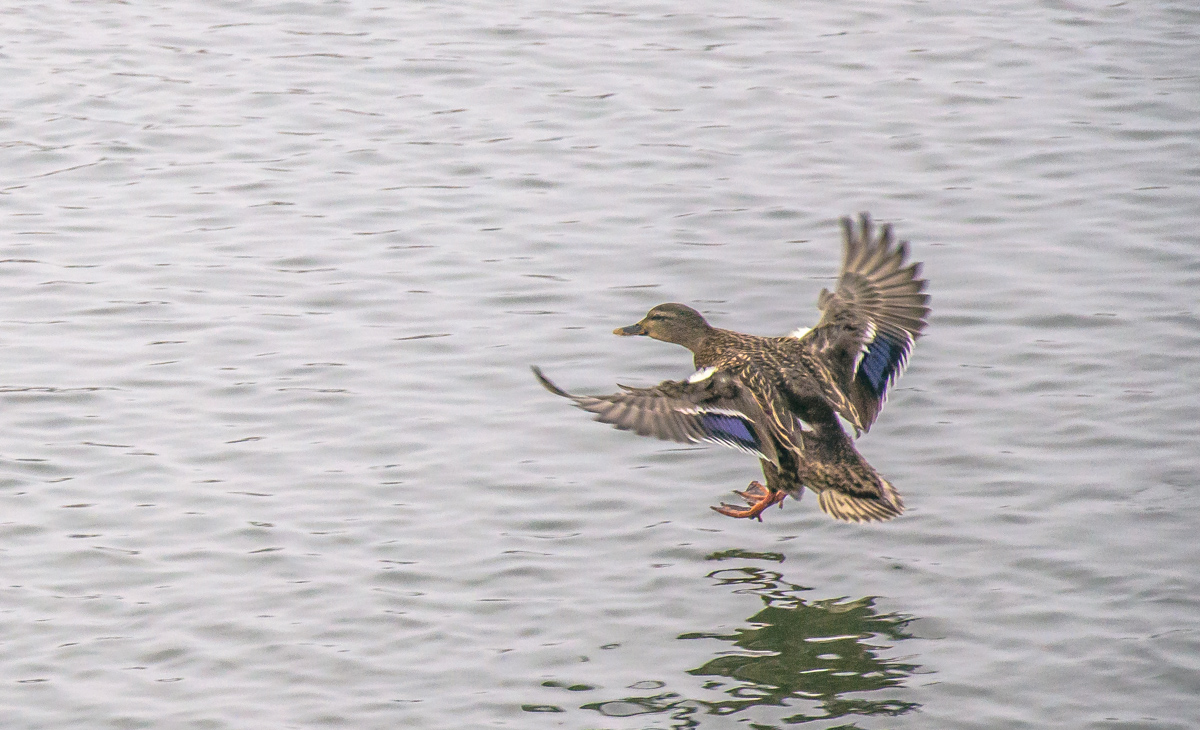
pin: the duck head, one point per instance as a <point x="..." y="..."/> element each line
<point x="675" y="323"/>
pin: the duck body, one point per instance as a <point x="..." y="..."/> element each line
<point x="784" y="398"/>
<point x="817" y="452"/>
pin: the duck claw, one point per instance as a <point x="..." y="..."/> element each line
<point x="730" y="510"/>
<point x="757" y="497"/>
<point x="755" y="492"/>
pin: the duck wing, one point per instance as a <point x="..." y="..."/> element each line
<point x="711" y="406"/>
<point x="870" y="322"/>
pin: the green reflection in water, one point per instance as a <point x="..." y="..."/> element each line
<point x="794" y="652"/>
<point x="816" y="651"/>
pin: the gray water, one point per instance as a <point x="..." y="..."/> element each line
<point x="274" y="273"/>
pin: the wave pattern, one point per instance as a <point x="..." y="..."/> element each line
<point x="274" y="275"/>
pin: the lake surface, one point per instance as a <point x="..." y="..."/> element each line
<point x="271" y="454"/>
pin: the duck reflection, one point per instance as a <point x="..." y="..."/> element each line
<point x="818" y="651"/>
<point x="821" y="655"/>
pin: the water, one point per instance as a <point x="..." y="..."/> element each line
<point x="271" y="454"/>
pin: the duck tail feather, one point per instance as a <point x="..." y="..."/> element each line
<point x="849" y="508"/>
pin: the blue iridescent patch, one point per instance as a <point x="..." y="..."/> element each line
<point x="731" y="428"/>
<point x="880" y="361"/>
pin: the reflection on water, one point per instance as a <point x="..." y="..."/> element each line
<point x="816" y="651"/>
<point x="819" y="656"/>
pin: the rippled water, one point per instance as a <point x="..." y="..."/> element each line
<point x="272" y="455"/>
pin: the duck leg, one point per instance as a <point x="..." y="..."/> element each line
<point x="757" y="497"/>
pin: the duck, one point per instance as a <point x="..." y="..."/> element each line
<point x="785" y="399"/>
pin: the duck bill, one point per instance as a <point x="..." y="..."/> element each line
<point x="632" y="330"/>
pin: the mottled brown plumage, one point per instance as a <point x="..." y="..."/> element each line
<point x="780" y="397"/>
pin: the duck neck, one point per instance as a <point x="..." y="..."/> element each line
<point x="706" y="347"/>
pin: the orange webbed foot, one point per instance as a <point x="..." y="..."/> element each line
<point x="758" y="497"/>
